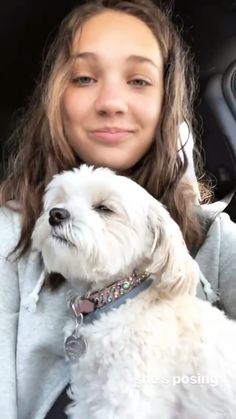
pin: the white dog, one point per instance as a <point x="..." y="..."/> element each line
<point x="159" y="354"/>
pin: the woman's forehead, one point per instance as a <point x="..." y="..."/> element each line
<point x="112" y="33"/>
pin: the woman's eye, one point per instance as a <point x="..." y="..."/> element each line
<point x="83" y="80"/>
<point x="140" y="82"/>
<point x="103" y="209"/>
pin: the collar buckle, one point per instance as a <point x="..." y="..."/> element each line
<point x="82" y="307"/>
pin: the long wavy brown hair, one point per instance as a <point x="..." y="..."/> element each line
<point x="42" y="150"/>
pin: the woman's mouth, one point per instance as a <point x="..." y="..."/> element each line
<point x="111" y="136"/>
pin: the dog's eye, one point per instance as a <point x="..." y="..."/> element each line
<point x="103" y="208"/>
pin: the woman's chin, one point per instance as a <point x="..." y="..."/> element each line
<point x="116" y="164"/>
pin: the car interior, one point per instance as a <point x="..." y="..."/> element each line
<point x="207" y="26"/>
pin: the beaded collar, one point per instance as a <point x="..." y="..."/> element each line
<point x="89" y="308"/>
<point x="91" y="302"/>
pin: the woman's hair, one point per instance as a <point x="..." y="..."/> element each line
<point x="43" y="150"/>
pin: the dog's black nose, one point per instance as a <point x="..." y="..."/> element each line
<point x="58" y="215"/>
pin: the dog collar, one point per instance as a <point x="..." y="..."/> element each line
<point x="89" y="308"/>
<point x="92" y="305"/>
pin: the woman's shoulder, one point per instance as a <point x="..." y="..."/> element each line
<point x="220" y="238"/>
<point x="214" y="217"/>
<point x="10" y="225"/>
<point x="10" y="214"/>
<point x="217" y="256"/>
<point x="228" y="227"/>
<point x="227" y="262"/>
<point x="227" y="236"/>
<point x="221" y="224"/>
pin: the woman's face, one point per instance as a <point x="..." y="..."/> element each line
<point x="112" y="104"/>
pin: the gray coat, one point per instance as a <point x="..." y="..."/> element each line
<point x="32" y="366"/>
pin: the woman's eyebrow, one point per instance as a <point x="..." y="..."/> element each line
<point x="141" y="59"/>
<point x="132" y="58"/>
<point x="86" y="55"/>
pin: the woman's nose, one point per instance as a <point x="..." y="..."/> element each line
<point x="111" y="100"/>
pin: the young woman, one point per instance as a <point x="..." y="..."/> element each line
<point x="114" y="92"/>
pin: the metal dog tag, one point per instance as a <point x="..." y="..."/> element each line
<point x="76" y="344"/>
<point x="75" y="347"/>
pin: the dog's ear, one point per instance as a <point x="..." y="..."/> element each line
<point x="174" y="271"/>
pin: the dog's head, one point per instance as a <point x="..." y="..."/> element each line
<point x="98" y="227"/>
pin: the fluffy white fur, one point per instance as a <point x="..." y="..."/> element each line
<point x="164" y="354"/>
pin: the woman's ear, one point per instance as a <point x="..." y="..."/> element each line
<point x="174" y="271"/>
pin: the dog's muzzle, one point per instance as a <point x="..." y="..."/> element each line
<point x="58" y="216"/>
<point x="59" y="220"/>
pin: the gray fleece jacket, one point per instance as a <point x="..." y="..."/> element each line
<point x="33" y="370"/>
